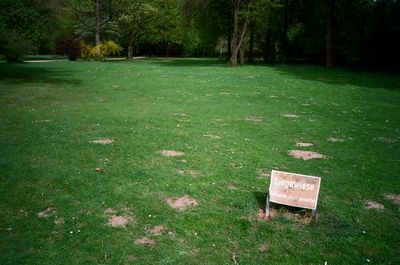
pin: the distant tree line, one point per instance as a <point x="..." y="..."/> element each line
<point x="331" y="32"/>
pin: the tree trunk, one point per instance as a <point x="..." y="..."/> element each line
<point x="241" y="56"/>
<point x="98" y="23"/>
<point x="284" y="31"/>
<point x="237" y="37"/>
<point x="130" y="51"/>
<point x="229" y="45"/>
<point x="251" y="43"/>
<point x="267" y="47"/>
<point x="330" y="34"/>
<point x="235" y="49"/>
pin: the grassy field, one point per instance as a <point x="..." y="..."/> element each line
<point x="58" y="190"/>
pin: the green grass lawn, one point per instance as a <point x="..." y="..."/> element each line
<point x="229" y="123"/>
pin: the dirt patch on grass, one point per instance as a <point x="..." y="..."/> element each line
<point x="288" y="115"/>
<point x="305" y="155"/>
<point x="181" y="203"/>
<point x="59" y="221"/>
<point x="253" y="119"/>
<point x="171" y="153"/>
<point x="261" y="216"/>
<point x="188" y="172"/>
<point x="118" y="221"/>
<point x="103" y="141"/>
<point x="109" y="211"/>
<point x="393" y="197"/>
<point x="262" y="174"/>
<point x="145" y="241"/>
<point x="335" y="140"/>
<point x="263" y="247"/>
<point x="211" y="136"/>
<point x="179" y="114"/>
<point x="46" y="213"/>
<point x="232" y="186"/>
<point x="304" y="144"/>
<point x="373" y="205"/>
<point x="157" y="230"/>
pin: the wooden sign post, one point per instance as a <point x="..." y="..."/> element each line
<point x="293" y="190"/>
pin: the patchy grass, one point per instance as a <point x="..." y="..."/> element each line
<point x="56" y="208"/>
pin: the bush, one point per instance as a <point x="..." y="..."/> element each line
<point x="69" y="46"/>
<point x="107" y="48"/>
<point x="14" y="47"/>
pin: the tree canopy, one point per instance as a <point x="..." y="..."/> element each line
<point x="331" y="32"/>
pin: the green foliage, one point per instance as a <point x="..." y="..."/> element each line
<point x="107" y="49"/>
<point x="14" y="47"/>
<point x="32" y="20"/>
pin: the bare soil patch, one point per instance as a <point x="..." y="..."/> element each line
<point x="109" y="211"/>
<point x="171" y="153"/>
<point x="262" y="174"/>
<point x="263" y="247"/>
<point x="393" y="197"/>
<point x="290" y="115"/>
<point x="335" y="140"/>
<point x="181" y="203"/>
<point x="211" y="136"/>
<point x="103" y="141"/>
<point x="261" y="216"/>
<point x="304" y="144"/>
<point x="157" y="230"/>
<point x="232" y="186"/>
<point x="118" y="221"/>
<point x="188" y="172"/>
<point x="46" y="213"/>
<point x="145" y="241"/>
<point x="373" y="205"/>
<point x="59" y="221"/>
<point x="305" y="155"/>
<point x="253" y="119"/>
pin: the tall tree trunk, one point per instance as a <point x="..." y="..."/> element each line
<point x="267" y="47"/>
<point x="130" y="51"/>
<point x="237" y="36"/>
<point x="229" y="45"/>
<point x="241" y="55"/>
<point x="251" y="43"/>
<point x="284" y="31"/>
<point x="98" y="23"/>
<point x="330" y="34"/>
<point x="235" y="49"/>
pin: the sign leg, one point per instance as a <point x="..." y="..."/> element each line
<point x="313" y="214"/>
<point x="267" y="206"/>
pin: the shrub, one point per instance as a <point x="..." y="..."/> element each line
<point x="107" y="48"/>
<point x="14" y="47"/>
<point x="69" y="46"/>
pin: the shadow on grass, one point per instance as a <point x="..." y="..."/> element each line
<point x="191" y="62"/>
<point x="30" y="73"/>
<point x="286" y="211"/>
<point x="342" y="76"/>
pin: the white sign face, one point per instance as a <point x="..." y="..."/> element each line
<point x="294" y="189"/>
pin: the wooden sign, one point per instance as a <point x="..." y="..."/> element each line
<point x="294" y="189"/>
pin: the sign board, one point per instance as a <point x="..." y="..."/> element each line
<point x="294" y="189"/>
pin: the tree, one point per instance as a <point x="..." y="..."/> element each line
<point x="91" y="16"/>
<point x="137" y="20"/>
<point x="240" y="22"/>
<point x="26" y="25"/>
<point x="330" y="14"/>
